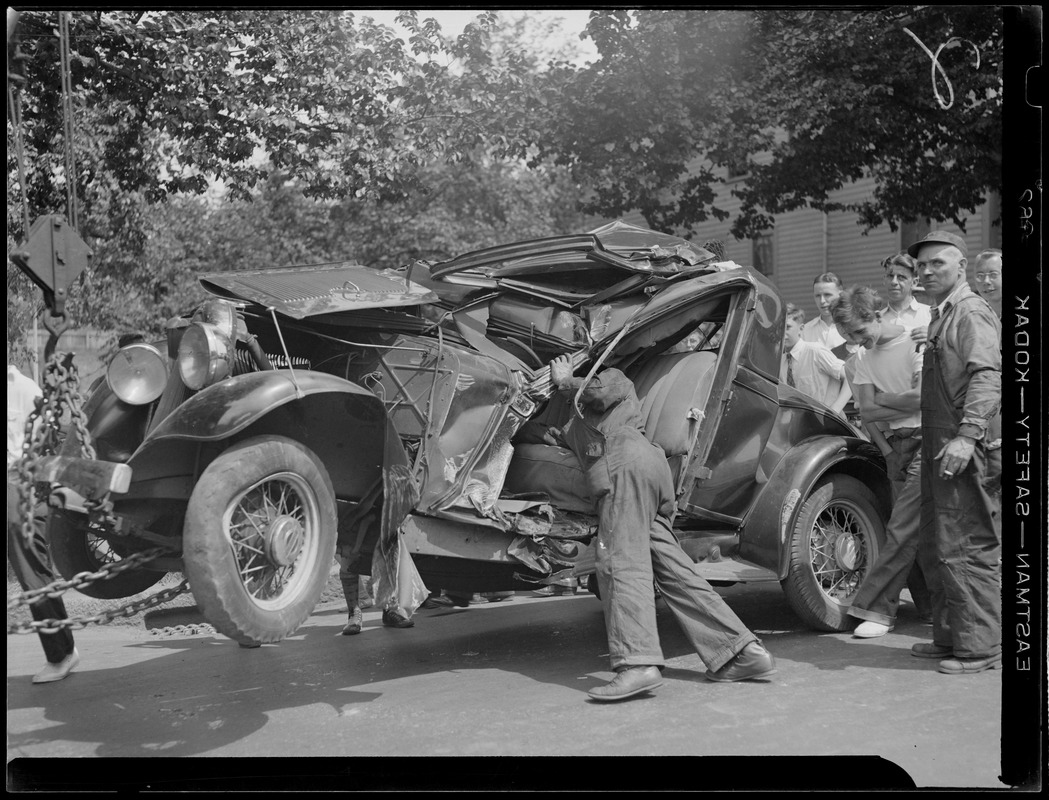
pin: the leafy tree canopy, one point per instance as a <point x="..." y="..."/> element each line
<point x="803" y="101"/>
<point x="173" y="103"/>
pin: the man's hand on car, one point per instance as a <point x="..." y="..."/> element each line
<point x="560" y="371"/>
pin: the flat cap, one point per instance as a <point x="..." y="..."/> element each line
<point x="938" y="237"/>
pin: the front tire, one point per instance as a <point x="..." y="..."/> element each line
<point x="835" y="542"/>
<point x="259" y="539"/>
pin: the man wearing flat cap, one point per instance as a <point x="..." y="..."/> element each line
<point x="959" y="545"/>
<point x="630" y="480"/>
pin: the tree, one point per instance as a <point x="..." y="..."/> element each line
<point x="166" y="103"/>
<point x="804" y="101"/>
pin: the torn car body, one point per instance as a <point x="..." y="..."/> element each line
<point x="389" y="403"/>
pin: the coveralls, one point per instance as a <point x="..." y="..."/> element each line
<point x="959" y="544"/>
<point x="631" y="482"/>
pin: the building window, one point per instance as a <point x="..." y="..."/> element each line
<point x="912" y="231"/>
<point x="762" y="253"/>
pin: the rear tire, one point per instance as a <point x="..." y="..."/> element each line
<point x="259" y="539"/>
<point x="835" y="542"/>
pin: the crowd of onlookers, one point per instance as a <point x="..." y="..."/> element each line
<point x="922" y="380"/>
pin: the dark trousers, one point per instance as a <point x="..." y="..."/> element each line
<point x="33" y="570"/>
<point x="636" y="546"/>
<point x="960" y="548"/>
<point x="879" y="596"/>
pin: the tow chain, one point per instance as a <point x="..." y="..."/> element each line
<point x="61" y="394"/>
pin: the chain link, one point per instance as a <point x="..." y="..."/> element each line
<point x="102" y="618"/>
<point x="61" y="394"/>
<point x="81" y="579"/>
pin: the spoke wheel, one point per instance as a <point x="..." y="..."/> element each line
<point x="75" y="547"/>
<point x="259" y="538"/>
<point x="834" y="544"/>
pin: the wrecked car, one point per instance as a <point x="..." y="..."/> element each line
<point x="305" y="411"/>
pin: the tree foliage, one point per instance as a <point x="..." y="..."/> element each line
<point x="333" y="138"/>
<point x="803" y="100"/>
<point x="167" y="103"/>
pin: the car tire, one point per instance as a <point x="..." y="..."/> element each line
<point x="259" y="539"/>
<point x="836" y="539"/>
<point x="75" y="549"/>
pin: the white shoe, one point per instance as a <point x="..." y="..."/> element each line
<point x="870" y="630"/>
<point x="56" y="672"/>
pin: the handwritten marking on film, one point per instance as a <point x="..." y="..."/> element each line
<point x="944" y="104"/>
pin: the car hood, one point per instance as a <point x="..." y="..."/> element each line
<point x="300" y="292"/>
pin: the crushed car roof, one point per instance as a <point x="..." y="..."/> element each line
<point x="617" y="244"/>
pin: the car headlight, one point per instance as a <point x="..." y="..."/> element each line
<point x="205" y="355"/>
<point x="137" y="374"/>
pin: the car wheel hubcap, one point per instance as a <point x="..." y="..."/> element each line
<point x="847" y="552"/>
<point x="838" y="550"/>
<point x="284" y="541"/>
<point x="271" y="528"/>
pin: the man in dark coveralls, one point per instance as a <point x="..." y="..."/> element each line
<point x="630" y="480"/>
<point x="959" y="541"/>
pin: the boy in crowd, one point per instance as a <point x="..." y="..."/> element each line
<point x="810" y="366"/>
<point x="887" y="383"/>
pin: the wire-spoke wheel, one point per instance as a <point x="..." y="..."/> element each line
<point x="75" y="548"/>
<point x="259" y="539"/>
<point x="834" y="544"/>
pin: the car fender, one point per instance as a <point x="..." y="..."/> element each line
<point x="344" y="424"/>
<point x="767" y="526"/>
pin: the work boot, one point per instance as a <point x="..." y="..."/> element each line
<point x="931" y="650"/>
<point x="970" y="666"/>
<point x="395" y="618"/>
<point x="627" y="683"/>
<point x="753" y="661"/>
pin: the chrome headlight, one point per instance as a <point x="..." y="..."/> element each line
<point x="205" y="355"/>
<point x="137" y="374"/>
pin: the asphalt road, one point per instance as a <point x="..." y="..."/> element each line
<point x="506" y="679"/>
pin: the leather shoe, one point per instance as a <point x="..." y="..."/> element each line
<point x="966" y="666"/>
<point x="870" y="630"/>
<point x="931" y="650"/>
<point x="355" y="623"/>
<point x="395" y="618"/>
<point x="56" y="672"/>
<point x="753" y="661"/>
<point x="627" y="683"/>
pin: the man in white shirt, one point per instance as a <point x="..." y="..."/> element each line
<point x="810" y="366"/>
<point x="987" y="268"/>
<point x="888" y="390"/>
<point x="903" y="308"/>
<point x="826" y="288"/>
<point x="21" y="398"/>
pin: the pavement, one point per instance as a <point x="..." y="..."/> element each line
<point x="507" y="679"/>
